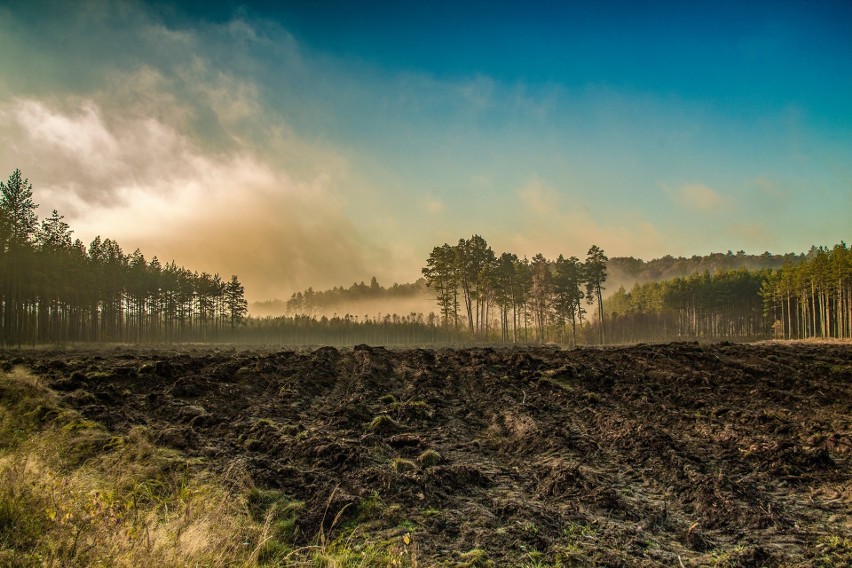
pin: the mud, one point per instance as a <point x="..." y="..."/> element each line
<point x="679" y="454"/>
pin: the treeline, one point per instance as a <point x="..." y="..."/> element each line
<point x="54" y="289"/>
<point x="727" y="304"/>
<point x="807" y="297"/>
<point x="814" y="298"/>
<point x="632" y="270"/>
<point x="619" y="269"/>
<point x="312" y="301"/>
<point x="515" y="299"/>
<point x="390" y="329"/>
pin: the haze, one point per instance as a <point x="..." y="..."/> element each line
<point x="321" y="143"/>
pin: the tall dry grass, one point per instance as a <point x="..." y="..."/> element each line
<point x="74" y="494"/>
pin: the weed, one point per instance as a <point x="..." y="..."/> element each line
<point x="402" y="465"/>
<point x="290" y="429"/>
<point x="475" y="558"/>
<point x="834" y="551"/>
<point x="411" y="409"/>
<point x="578" y="530"/>
<point x="370" y="508"/>
<point x="73" y="494"/>
<point x="388" y="399"/>
<point x="278" y="514"/>
<point x="383" y="423"/>
<point x="429" y="458"/>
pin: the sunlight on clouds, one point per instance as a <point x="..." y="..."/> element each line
<point x="143" y="183"/>
<point x="698" y="197"/>
<point x="81" y="136"/>
<point x="758" y="235"/>
<point x="233" y="147"/>
<point x="434" y="205"/>
<point x="538" y="197"/>
<point x="99" y="151"/>
<point x="179" y="157"/>
<point x="556" y="222"/>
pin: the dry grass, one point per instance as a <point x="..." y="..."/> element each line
<point x="72" y="494"/>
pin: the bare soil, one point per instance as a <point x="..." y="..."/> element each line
<point x="677" y="454"/>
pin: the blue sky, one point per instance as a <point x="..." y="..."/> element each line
<point x="320" y="143"/>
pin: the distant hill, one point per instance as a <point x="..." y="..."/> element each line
<point x="358" y="299"/>
<point x="361" y="298"/>
<point x="627" y="271"/>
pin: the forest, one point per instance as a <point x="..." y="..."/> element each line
<point x="542" y="301"/>
<point x="55" y="290"/>
<point x="627" y="270"/>
<point x="621" y="271"/>
<point x="811" y="298"/>
<point x="481" y="298"/>
<point x="322" y="300"/>
<point x="531" y="299"/>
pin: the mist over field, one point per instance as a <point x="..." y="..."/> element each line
<point x="422" y="303"/>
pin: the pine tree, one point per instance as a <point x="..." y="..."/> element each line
<point x="18" y="223"/>
<point x="595" y="270"/>
<point x="235" y="302"/>
<point x="568" y="295"/>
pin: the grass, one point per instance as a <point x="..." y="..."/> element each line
<point x="834" y="551"/>
<point x="402" y="465"/>
<point x="74" y="494"/>
<point x="429" y="458"/>
<point x="474" y="558"/>
<point x="383" y="423"/>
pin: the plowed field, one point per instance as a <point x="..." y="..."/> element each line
<point x="680" y="454"/>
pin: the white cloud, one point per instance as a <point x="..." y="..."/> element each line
<point x="478" y="92"/>
<point x="81" y="136"/>
<point x="699" y="197"/>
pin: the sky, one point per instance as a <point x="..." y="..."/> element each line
<point x="320" y="143"/>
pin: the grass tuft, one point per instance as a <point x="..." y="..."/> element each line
<point x="429" y="458"/>
<point x="402" y="465"/>
<point x="383" y="423"/>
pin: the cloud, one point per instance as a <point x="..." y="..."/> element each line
<point x="756" y="234"/>
<point x="231" y="147"/>
<point x="478" y="92"/>
<point x="699" y="197"/>
<point x="557" y="221"/>
<point x="434" y="205"/>
<point x="765" y="196"/>
<point x="538" y="198"/>
<point x="81" y="136"/>
<point x="143" y="183"/>
<point x="175" y="149"/>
